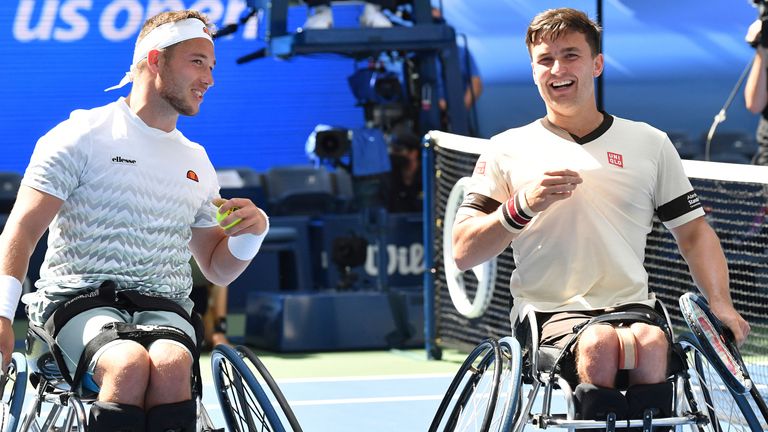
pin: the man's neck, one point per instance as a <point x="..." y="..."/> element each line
<point x="152" y="110"/>
<point x="580" y="124"/>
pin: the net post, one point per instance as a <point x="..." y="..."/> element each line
<point x="428" y="182"/>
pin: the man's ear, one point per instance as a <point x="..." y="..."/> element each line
<point x="153" y="60"/>
<point x="533" y="74"/>
<point x="599" y="65"/>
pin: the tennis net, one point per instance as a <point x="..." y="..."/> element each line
<point x="735" y="198"/>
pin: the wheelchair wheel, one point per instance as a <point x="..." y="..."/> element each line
<point x="276" y="395"/>
<point x="473" y="407"/>
<point x="13" y="385"/>
<point x="243" y="401"/>
<point x="706" y="392"/>
<point x="509" y="385"/>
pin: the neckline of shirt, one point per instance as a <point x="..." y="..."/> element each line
<point x="126" y="109"/>
<point x="601" y="129"/>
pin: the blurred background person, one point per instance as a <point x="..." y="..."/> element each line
<point x="756" y="90"/>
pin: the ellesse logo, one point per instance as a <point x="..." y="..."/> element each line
<point x="192" y="176"/>
<point x="124" y="161"/>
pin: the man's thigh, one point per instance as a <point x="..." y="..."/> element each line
<point x="82" y="328"/>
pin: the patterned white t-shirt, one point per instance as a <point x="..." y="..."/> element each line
<point x="131" y="195"/>
<point x="587" y="251"/>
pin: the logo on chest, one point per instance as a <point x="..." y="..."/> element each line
<point x="123" y="161"/>
<point x="616" y="159"/>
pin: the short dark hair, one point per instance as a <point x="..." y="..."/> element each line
<point x="554" y="23"/>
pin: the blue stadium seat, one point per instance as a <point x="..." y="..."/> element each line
<point x="686" y="147"/>
<point x="732" y="147"/>
<point x="243" y="182"/>
<point x="9" y="187"/>
<point x="300" y="190"/>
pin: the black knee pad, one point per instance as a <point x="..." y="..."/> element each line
<point x="115" y="417"/>
<point x="174" y="417"/>
<point x="656" y="397"/>
<point x="594" y="403"/>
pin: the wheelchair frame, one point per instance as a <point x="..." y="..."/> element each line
<point x="66" y="409"/>
<point x="698" y="390"/>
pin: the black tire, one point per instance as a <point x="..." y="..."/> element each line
<point x="706" y="392"/>
<point x="481" y="368"/>
<point x="243" y="401"/>
<point x="277" y="394"/>
<point x="509" y="385"/>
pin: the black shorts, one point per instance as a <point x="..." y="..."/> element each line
<point x="557" y="328"/>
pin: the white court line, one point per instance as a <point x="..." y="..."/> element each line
<point x="365" y="400"/>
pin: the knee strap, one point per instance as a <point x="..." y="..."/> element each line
<point x="115" y="417"/>
<point x="142" y="334"/>
<point x="173" y="417"/>
<point x="656" y="397"/>
<point x="628" y="355"/>
<point x="595" y="403"/>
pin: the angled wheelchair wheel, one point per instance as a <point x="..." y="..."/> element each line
<point x="243" y="401"/>
<point x="470" y="401"/>
<point x="13" y="384"/>
<point x="706" y="391"/>
<point x="510" y="383"/>
<point x="275" y="394"/>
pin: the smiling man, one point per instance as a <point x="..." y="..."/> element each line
<point x="575" y="194"/>
<point x="126" y="198"/>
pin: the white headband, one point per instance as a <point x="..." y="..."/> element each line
<point x="161" y="37"/>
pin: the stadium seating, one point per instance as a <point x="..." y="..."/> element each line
<point x="732" y="147"/>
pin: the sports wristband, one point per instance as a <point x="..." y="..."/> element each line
<point x="10" y="287"/>
<point x="245" y="246"/>
<point x="220" y="326"/>
<point x="514" y="214"/>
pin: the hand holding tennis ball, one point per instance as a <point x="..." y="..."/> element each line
<point x="221" y="216"/>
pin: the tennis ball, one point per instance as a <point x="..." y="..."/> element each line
<point x="221" y="216"/>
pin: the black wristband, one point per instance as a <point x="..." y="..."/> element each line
<point x="220" y="326"/>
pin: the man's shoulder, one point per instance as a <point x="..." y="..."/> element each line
<point x="635" y="126"/>
<point x="529" y="128"/>
<point x="85" y="119"/>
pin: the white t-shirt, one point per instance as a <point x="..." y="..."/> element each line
<point x="131" y="195"/>
<point x="587" y="251"/>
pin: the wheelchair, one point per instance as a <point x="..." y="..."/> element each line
<point x="248" y="395"/>
<point x="513" y="384"/>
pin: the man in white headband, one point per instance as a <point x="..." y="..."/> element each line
<point x="126" y="198"/>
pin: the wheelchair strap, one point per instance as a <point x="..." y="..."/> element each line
<point x="613" y="317"/>
<point x="130" y="301"/>
<point x="143" y="334"/>
<point x="628" y="355"/>
<point x="107" y="296"/>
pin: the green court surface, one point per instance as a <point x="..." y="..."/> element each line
<point x="358" y="363"/>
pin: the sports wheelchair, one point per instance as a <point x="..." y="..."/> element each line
<point x="248" y="395"/>
<point x="511" y="384"/>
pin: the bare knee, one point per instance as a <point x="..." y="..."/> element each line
<point x="122" y="373"/>
<point x="597" y="355"/>
<point x="652" y="349"/>
<point x="170" y="374"/>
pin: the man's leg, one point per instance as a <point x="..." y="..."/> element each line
<point x="169" y="402"/>
<point x="120" y="369"/>
<point x="597" y="356"/>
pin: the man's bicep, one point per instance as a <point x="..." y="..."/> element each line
<point x="32" y="212"/>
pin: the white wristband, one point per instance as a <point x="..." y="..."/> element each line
<point x="245" y="246"/>
<point x="10" y="287"/>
